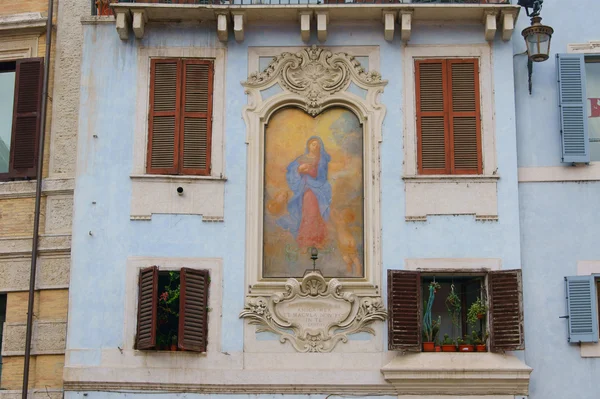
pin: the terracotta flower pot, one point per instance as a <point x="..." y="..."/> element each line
<point x="481" y="348"/>
<point x="428" y="346"/>
<point x="173" y="347"/>
<point x="438" y="348"/>
<point x="480" y="316"/>
<point x="448" y="348"/>
<point x="466" y="348"/>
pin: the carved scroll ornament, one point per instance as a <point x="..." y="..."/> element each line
<point x="315" y="74"/>
<point x="313" y="314"/>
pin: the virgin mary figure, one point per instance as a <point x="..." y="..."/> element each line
<point x="308" y="209"/>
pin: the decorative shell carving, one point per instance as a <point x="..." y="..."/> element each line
<point x="314" y="73"/>
<point x="313" y="314"/>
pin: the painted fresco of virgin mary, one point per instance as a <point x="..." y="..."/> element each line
<point x="308" y="209"/>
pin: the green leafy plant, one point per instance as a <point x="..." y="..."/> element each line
<point x="168" y="312"/>
<point x="476" y="312"/>
<point x="475" y="338"/>
<point x="453" y="306"/>
<point x="460" y="341"/>
<point x="448" y="341"/>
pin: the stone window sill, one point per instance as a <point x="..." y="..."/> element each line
<point x="458" y="374"/>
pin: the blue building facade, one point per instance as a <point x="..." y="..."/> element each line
<point x="515" y="206"/>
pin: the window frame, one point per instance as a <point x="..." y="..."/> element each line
<point x="180" y="114"/>
<point x="596" y="58"/>
<point x="448" y="114"/>
<point x="26" y="172"/>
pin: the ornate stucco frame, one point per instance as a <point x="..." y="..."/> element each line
<point x="315" y="100"/>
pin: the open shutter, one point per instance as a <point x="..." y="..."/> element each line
<point x="404" y="307"/>
<point x="432" y="129"/>
<point x="464" y="116"/>
<point x="506" y="311"/>
<point x="26" y="117"/>
<point x="196" y="117"/>
<point x="581" y="309"/>
<point x="147" y="308"/>
<point x="573" y="111"/>
<point x="163" y="118"/>
<point x="193" y="303"/>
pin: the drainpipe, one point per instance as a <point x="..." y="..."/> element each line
<point x="38" y="195"/>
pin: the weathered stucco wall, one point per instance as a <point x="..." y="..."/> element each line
<point x="559" y="222"/>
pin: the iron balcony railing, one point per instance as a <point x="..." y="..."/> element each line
<point x="101" y="7"/>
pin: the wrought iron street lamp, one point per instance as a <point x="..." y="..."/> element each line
<point x="537" y="36"/>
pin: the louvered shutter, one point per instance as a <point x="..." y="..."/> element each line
<point x="163" y="118"/>
<point x="581" y="309"/>
<point x="573" y="111"/>
<point x="404" y="307"/>
<point x="147" y="308"/>
<point x="432" y="131"/>
<point x="464" y="116"/>
<point x="193" y="302"/>
<point x="506" y="311"/>
<point x="26" y="117"/>
<point x="196" y="117"/>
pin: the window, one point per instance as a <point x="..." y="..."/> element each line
<point x="172" y="310"/>
<point x="20" y="103"/>
<point x="180" y="117"/>
<point x="499" y="292"/>
<point x="448" y="116"/>
<point x="582" y="311"/>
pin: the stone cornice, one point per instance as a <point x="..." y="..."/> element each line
<point x="458" y="374"/>
<point x="249" y="389"/>
<point x="31" y="21"/>
<point x="59" y="243"/>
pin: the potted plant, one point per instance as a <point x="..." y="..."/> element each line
<point x="476" y="312"/>
<point x="174" y="343"/>
<point x="430" y="327"/>
<point x="448" y="345"/>
<point x="453" y="306"/>
<point x="480" y="343"/>
<point x="465" y="344"/>
<point x="168" y="314"/>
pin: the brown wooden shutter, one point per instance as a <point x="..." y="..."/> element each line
<point x="432" y="131"/>
<point x="404" y="307"/>
<point x="26" y="117"/>
<point x="506" y="311"/>
<point x="147" y="308"/>
<point x="196" y="118"/>
<point x="163" y="118"/>
<point x="464" y="116"/>
<point x="193" y="302"/>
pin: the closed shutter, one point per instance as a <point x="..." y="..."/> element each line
<point x="26" y="117"/>
<point x="404" y="307"/>
<point x="464" y="116"/>
<point x="147" y="308"/>
<point x="506" y="311"/>
<point x="581" y="309"/>
<point x="197" y="116"/>
<point x="573" y="112"/>
<point x="448" y="116"/>
<point x="432" y="131"/>
<point x="193" y="303"/>
<point x="163" y="120"/>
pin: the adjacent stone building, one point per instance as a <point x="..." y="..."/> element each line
<point x="22" y="60"/>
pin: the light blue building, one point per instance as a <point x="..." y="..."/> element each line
<point x="225" y="149"/>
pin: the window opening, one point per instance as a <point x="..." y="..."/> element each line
<point x="7" y="99"/>
<point x="454" y="310"/>
<point x="592" y="78"/>
<point x="167" y="328"/>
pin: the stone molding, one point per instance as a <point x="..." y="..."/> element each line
<point x="313" y="79"/>
<point x="589" y="47"/>
<point x="49" y="338"/>
<point x="333" y="317"/>
<point x="553" y="174"/>
<point x="458" y="374"/>
<point x="26" y="189"/>
<point x="48" y="393"/>
<point x="48" y="243"/>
